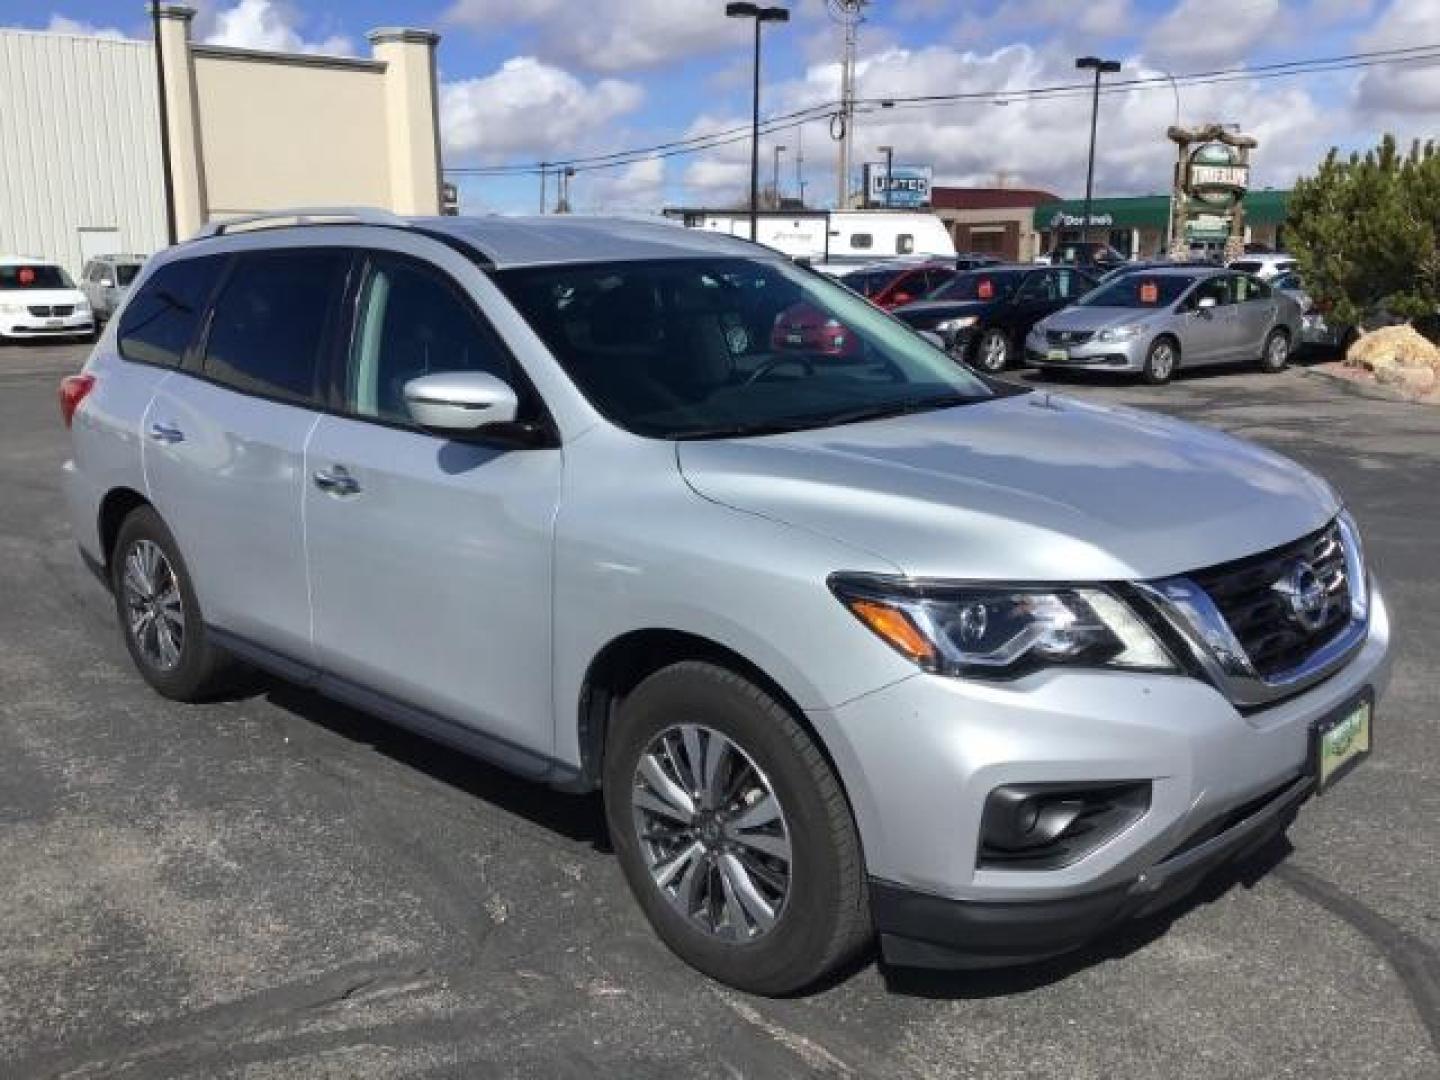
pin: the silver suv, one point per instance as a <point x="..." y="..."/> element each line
<point x="851" y="638"/>
<point x="105" y="281"/>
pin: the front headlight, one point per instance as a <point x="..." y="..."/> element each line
<point x="950" y="326"/>
<point x="1000" y="631"/>
<point x="82" y="307"/>
<point x="1119" y="333"/>
<point x="1356" y="571"/>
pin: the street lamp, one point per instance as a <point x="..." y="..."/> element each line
<point x="889" y="152"/>
<point x="775" y="181"/>
<point x="1100" y="67"/>
<point x="760" y="15"/>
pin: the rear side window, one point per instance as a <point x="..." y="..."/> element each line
<point x="269" y="323"/>
<point x="160" y="322"/>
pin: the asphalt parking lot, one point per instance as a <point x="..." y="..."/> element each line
<point x="278" y="886"/>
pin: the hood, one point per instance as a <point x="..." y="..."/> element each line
<point x="41" y="296"/>
<point x="926" y="313"/>
<point x="1033" y="487"/>
<point x="1098" y="318"/>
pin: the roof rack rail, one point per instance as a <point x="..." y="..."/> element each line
<point x="301" y="215"/>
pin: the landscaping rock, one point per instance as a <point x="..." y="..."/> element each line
<point x="1393" y="346"/>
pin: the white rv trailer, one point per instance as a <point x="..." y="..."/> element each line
<point x="833" y="238"/>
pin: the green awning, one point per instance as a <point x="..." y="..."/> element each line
<point x="1147" y="211"/>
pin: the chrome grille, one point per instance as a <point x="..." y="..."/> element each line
<point x="41" y="311"/>
<point x="1251" y="595"/>
<point x="1068" y="337"/>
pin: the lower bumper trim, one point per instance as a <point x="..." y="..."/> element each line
<point x="921" y="930"/>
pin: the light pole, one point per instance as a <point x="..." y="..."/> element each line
<point x="775" y="182"/>
<point x="1100" y="67"/>
<point x="1175" y="178"/>
<point x="761" y="15"/>
<point x="562" y="204"/>
<point x="889" y="152"/>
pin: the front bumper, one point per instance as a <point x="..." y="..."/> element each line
<point x="920" y="757"/>
<point x="32" y="326"/>
<point x="1314" y="330"/>
<point x="1100" y="355"/>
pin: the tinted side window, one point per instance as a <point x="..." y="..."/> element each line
<point x="411" y="322"/>
<point x="160" y="322"/>
<point x="269" y="323"/>
<point x="904" y="244"/>
<point x="862" y="240"/>
<point x="1216" y="288"/>
<point x="1249" y="288"/>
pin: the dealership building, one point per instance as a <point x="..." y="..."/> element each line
<point x="80" y="120"/>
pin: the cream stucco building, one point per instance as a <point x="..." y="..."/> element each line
<point x="80" y="124"/>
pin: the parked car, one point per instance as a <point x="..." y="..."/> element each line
<point x="1317" y="328"/>
<point x="891" y="286"/>
<point x="1086" y="254"/>
<point x="983" y="316"/>
<point x="1135" y="267"/>
<point x="847" y="644"/>
<point x="38" y="300"/>
<point x="1264" y="267"/>
<point x="971" y="260"/>
<point x="105" y="280"/>
<point x="1156" y="322"/>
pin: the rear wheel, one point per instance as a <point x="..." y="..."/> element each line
<point x="733" y="832"/>
<point x="1276" y="355"/>
<point x="1160" y="361"/>
<point x="159" y="614"/>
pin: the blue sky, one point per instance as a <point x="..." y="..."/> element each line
<point x="531" y="80"/>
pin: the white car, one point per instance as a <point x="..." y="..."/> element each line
<point x="38" y="299"/>
<point x="1265" y="267"/>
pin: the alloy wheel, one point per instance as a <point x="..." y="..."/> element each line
<point x="1162" y="361"/>
<point x="712" y="832"/>
<point x="153" y="605"/>
<point x="994" y="351"/>
<point x="1277" y="352"/>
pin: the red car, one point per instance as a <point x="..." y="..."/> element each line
<point x="804" y="328"/>
<point x="891" y="286"/>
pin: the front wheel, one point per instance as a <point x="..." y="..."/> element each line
<point x="1160" y="362"/>
<point x="1276" y="355"/>
<point x="992" y="353"/>
<point x="733" y="832"/>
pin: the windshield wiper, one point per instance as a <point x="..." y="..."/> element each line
<point x="901" y="408"/>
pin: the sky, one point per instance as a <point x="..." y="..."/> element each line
<point x="523" y="81"/>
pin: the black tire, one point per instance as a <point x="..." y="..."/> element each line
<point x="992" y="352"/>
<point x="201" y="669"/>
<point x="1161" y="360"/>
<point x="825" y="916"/>
<point x="1275" y="354"/>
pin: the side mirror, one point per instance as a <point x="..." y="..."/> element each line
<point x="933" y="338"/>
<point x="106" y="283"/>
<point x="460" y="402"/>
<point x="901" y="298"/>
<point x="1205" y="303"/>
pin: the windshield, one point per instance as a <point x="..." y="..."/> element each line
<point x="978" y="285"/>
<point x="1139" y="291"/>
<point x="125" y="273"/>
<point x="33" y="276"/>
<point x="708" y="348"/>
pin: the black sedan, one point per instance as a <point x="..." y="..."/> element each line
<point x="983" y="316"/>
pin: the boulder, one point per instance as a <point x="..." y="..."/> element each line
<point x="1393" y="346"/>
<point x="1417" y="379"/>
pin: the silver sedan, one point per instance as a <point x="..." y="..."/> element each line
<point x="1157" y="321"/>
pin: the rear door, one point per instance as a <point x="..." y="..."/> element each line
<point x="430" y="557"/>
<point x="226" y="438"/>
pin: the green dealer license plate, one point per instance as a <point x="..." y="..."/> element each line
<point x="1340" y="741"/>
<point x="1057" y="356"/>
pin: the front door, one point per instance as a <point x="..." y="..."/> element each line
<point x="1254" y="315"/>
<point x="430" y="558"/>
<point x="1207" y="334"/>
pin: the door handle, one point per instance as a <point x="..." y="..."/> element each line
<point x="165" y="433"/>
<point x="336" y="480"/>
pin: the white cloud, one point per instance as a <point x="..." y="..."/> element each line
<point x="61" y="24"/>
<point x="1059" y="19"/>
<point x="1401" y="95"/>
<point x="610" y="35"/>
<point x="1205" y="32"/>
<point x="270" y="25"/>
<point x="1039" y="143"/>
<point x="636" y="187"/>
<point x="528" y="109"/>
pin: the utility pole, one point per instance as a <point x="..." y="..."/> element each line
<point x="1100" y="67"/>
<point x="775" y="181"/>
<point x="849" y="14"/>
<point x="800" y="164"/>
<point x="544" y="165"/>
<point x="889" y="152"/>
<point x="562" y="200"/>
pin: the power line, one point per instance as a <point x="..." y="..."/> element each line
<point x="787" y="121"/>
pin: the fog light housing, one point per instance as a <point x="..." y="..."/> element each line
<point x="1048" y="826"/>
